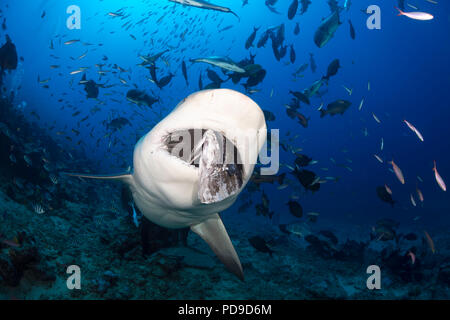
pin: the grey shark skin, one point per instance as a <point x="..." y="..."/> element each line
<point x="205" y="5"/>
<point x="327" y="29"/>
<point x="221" y="62"/>
<point x="172" y="192"/>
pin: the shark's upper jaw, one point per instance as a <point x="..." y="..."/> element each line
<point x="214" y="157"/>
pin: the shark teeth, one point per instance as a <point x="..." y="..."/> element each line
<point x="218" y="180"/>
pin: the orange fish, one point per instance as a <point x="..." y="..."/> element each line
<point x="430" y="242"/>
<point x="439" y="179"/>
<point x="413" y="257"/>
<point x="419" y="194"/>
<point x="388" y="190"/>
<point x="413" y="129"/>
<point x="398" y="172"/>
<point x="412" y="200"/>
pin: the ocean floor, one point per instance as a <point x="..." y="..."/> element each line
<point x="106" y="247"/>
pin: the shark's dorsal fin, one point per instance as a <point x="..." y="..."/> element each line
<point x="123" y="177"/>
<point x="214" y="233"/>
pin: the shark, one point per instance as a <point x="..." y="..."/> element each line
<point x="194" y="163"/>
<point x="221" y="62"/>
<point x="204" y="5"/>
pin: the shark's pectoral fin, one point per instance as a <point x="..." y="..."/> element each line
<point x="125" y="177"/>
<point x="214" y="233"/>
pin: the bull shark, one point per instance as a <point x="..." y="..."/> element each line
<point x="204" y="5"/>
<point x="173" y="190"/>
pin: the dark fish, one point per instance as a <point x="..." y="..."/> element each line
<point x="152" y="70"/>
<point x="43" y="15"/>
<point x="90" y="87"/>
<point x="293" y="114"/>
<point x="277" y="36"/>
<point x="213" y="76"/>
<point x="140" y="98"/>
<point x="280" y="34"/>
<point x="302" y="119"/>
<point x="164" y="81"/>
<point x="292" y="55"/>
<point x="302" y="160"/>
<point x="276" y="52"/>
<point x="295" y="209"/>
<point x="251" y="38"/>
<point x="336" y="107"/>
<point x="255" y="79"/>
<point x="327" y="29"/>
<point x="307" y="179"/>
<point x="297" y="29"/>
<point x="263" y="40"/>
<point x="352" y="30"/>
<point x="294" y="104"/>
<point x="117" y="124"/>
<point x="262" y="209"/>
<point x="305" y="5"/>
<point x="269" y="115"/>
<point x="260" y="244"/>
<point x="270" y="4"/>
<point x="300" y="96"/>
<point x="184" y="70"/>
<point x="292" y="9"/>
<point x="226" y="28"/>
<point x="333" y="68"/>
<point x="384" y="195"/>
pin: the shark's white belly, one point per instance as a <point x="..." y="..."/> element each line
<point x="173" y="191"/>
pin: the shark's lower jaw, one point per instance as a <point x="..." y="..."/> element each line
<point x="215" y="157"/>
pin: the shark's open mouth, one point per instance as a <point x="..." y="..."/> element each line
<point x="218" y="161"/>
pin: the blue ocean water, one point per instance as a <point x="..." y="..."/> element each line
<point x="405" y="63"/>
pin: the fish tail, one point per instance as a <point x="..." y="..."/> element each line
<point x="322" y="113"/>
<point x="239" y="19"/>
<point x="434" y="168"/>
<point x="400" y="11"/>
